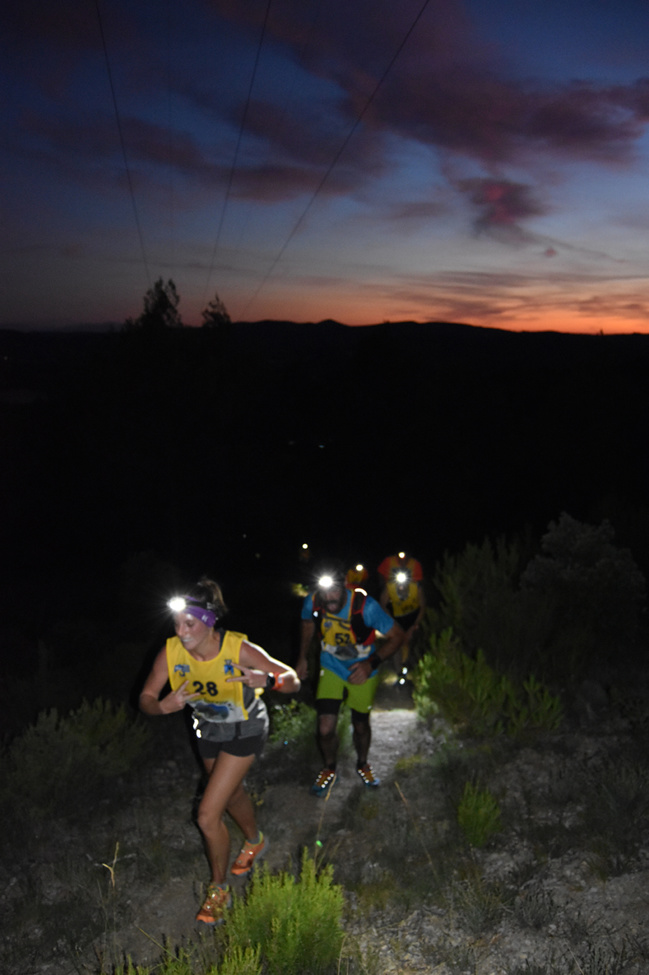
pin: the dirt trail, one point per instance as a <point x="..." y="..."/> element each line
<point x="291" y="817"/>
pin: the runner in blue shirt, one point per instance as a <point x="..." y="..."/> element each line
<point x="347" y="622"/>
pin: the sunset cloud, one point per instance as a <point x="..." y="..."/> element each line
<point x="288" y="151"/>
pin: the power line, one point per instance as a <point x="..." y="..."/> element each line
<point x="335" y="159"/>
<point x="121" y="139"/>
<point x="236" y="150"/>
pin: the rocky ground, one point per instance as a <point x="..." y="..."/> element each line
<point x="566" y="911"/>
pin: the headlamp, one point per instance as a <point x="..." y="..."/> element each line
<point x="326" y="582"/>
<point x="186" y="604"/>
<point x="401" y="578"/>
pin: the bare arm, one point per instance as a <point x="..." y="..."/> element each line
<point x="150" y="700"/>
<point x="362" y="669"/>
<point x="255" y="666"/>
<point x="306" y="635"/>
<point x="393" y="640"/>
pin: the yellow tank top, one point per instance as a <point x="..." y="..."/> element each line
<point x="219" y="701"/>
<point x="402" y="605"/>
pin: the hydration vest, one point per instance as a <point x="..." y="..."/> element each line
<point x="362" y="634"/>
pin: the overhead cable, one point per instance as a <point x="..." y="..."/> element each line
<point x="336" y="157"/>
<point x="236" y="151"/>
<point x="121" y="139"/>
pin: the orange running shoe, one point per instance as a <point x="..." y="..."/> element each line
<point x="366" y="773"/>
<point x="249" y="853"/>
<point x="324" y="783"/>
<point x="217" y="900"/>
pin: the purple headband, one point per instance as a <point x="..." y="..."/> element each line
<point x="188" y="604"/>
<point x="204" y="615"/>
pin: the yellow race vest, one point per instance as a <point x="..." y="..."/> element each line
<point x="219" y="701"/>
<point x="402" y="605"/>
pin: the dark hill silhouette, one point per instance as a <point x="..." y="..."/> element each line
<point x="355" y="439"/>
<point x="223" y="450"/>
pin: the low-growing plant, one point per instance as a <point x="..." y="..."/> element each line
<point x="241" y="961"/>
<point x="594" y="589"/>
<point x="478" y="815"/>
<point x="293" y="731"/>
<point x="615" y="807"/>
<point x="574" y="603"/>
<point x="411" y="763"/>
<point x="291" y="723"/>
<point x="550" y="967"/>
<point x="534" y="907"/>
<point x="474" y="698"/>
<point x="296" y="924"/>
<point x="468" y="693"/>
<point x="478" y="904"/>
<point x="533" y="708"/>
<point x="600" y="958"/>
<point x="61" y="759"/>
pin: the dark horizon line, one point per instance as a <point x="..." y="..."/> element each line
<point x="100" y="328"/>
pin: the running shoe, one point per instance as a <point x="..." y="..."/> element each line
<point x="323" y="783"/>
<point x="366" y="773"/>
<point x="249" y="854"/>
<point x="217" y="900"/>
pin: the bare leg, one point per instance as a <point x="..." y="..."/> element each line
<point x="328" y="738"/>
<point x="224" y="785"/>
<point x="362" y="737"/>
<point x="241" y="809"/>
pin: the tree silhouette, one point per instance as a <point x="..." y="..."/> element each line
<point x="160" y="309"/>
<point x="216" y="315"/>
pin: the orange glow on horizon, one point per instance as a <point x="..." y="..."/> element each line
<point x="350" y="308"/>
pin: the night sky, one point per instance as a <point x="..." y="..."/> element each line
<point x="361" y="160"/>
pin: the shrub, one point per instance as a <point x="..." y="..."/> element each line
<point x="574" y="603"/>
<point x="478" y="815"/>
<point x="470" y="694"/>
<point x="467" y="692"/>
<point x="593" y="588"/>
<point x="59" y="761"/>
<point x="293" y="725"/>
<point x="479" y="600"/>
<point x="297" y="924"/>
<point x="184" y="962"/>
<point x="533" y="707"/>
<point x="479" y="905"/>
<point x="535" y="907"/>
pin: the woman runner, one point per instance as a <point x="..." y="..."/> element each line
<point x="221" y="676"/>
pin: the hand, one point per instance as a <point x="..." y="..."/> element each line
<point x="301" y="668"/>
<point x="176" y="700"/>
<point x="360" y="671"/>
<point x="249" y="676"/>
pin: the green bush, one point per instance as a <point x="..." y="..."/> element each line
<point x="478" y="815"/>
<point x="593" y="589"/>
<point x="291" y="723"/>
<point x="478" y="904"/>
<point x="466" y="692"/>
<point x="184" y="961"/>
<point x="59" y="762"/>
<point x="297" y="924"/>
<point x="480" y="602"/>
<point x="470" y="695"/>
<point x="293" y="726"/>
<point x="575" y="603"/>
